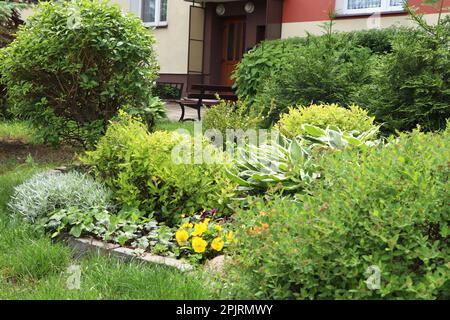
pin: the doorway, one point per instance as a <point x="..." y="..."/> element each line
<point x="233" y="47"/>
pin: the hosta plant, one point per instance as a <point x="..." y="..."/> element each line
<point x="332" y="137"/>
<point x="284" y="165"/>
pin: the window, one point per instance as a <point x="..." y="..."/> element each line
<point x="355" y="7"/>
<point x="153" y="12"/>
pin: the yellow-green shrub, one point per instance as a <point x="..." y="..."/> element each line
<point x="322" y="115"/>
<point x="138" y="167"/>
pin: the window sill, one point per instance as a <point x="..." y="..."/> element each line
<point x="368" y="13"/>
<point x="156" y="25"/>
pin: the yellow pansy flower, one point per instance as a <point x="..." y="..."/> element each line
<point x="182" y="236"/>
<point x="218" y="227"/>
<point x="199" y="244"/>
<point x="230" y="235"/>
<point x="217" y="244"/>
<point x="199" y="228"/>
<point x="187" y="225"/>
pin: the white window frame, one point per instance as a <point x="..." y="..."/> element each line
<point x="157" y="22"/>
<point x="342" y="5"/>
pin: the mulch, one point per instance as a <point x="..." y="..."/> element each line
<point x="18" y="150"/>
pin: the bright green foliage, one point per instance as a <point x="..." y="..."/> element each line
<point x="231" y="115"/>
<point x="352" y="119"/>
<point x="411" y="85"/>
<point x="327" y="70"/>
<point x="140" y="169"/>
<point x="74" y="64"/>
<point x="387" y="207"/>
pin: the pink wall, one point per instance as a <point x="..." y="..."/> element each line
<point x="317" y="10"/>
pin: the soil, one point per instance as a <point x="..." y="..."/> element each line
<point x="18" y="150"/>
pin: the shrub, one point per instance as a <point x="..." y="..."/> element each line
<point x="230" y="115"/>
<point x="261" y="63"/>
<point x="46" y="192"/>
<point x="269" y="58"/>
<point x="327" y="70"/>
<point x="323" y="115"/>
<point x="74" y="64"/>
<point x="142" y="172"/>
<point x="411" y="85"/>
<point x="386" y="207"/>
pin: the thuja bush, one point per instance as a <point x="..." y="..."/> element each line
<point x="74" y="64"/>
<point x="157" y="172"/>
<point x="327" y="70"/>
<point x="386" y="207"/>
<point x="411" y="85"/>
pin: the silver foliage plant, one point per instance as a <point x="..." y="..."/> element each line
<point x="45" y="193"/>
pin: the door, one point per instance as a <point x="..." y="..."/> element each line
<point x="233" y="47"/>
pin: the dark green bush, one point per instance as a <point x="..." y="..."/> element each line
<point x="387" y="207"/>
<point x="327" y="70"/>
<point x="411" y="85"/>
<point x="142" y="171"/>
<point x="262" y="63"/>
<point x="74" y="64"/>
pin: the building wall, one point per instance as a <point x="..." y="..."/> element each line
<point x="302" y="16"/>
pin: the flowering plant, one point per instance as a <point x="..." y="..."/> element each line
<point x="202" y="237"/>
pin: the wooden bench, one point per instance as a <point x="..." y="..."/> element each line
<point x="206" y="95"/>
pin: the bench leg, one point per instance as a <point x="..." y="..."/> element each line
<point x="199" y="108"/>
<point x="182" y="113"/>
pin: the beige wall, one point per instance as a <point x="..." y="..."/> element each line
<point x="299" y="29"/>
<point x="171" y="41"/>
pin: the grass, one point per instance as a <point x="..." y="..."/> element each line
<point x="32" y="266"/>
<point x="173" y="125"/>
<point x="16" y="130"/>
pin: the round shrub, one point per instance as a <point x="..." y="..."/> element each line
<point x="323" y="115"/>
<point x="160" y="173"/>
<point x="387" y="207"/>
<point x="74" y="64"/>
<point x="45" y="193"/>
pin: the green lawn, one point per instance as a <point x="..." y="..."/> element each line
<point x="34" y="267"/>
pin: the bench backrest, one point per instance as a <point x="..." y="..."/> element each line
<point x="210" y="92"/>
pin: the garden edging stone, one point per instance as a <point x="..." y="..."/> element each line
<point x="83" y="245"/>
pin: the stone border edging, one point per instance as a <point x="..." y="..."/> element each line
<point x="83" y="245"/>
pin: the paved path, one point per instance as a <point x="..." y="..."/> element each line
<point x="174" y="112"/>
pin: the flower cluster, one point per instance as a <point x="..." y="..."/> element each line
<point x="201" y="237"/>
